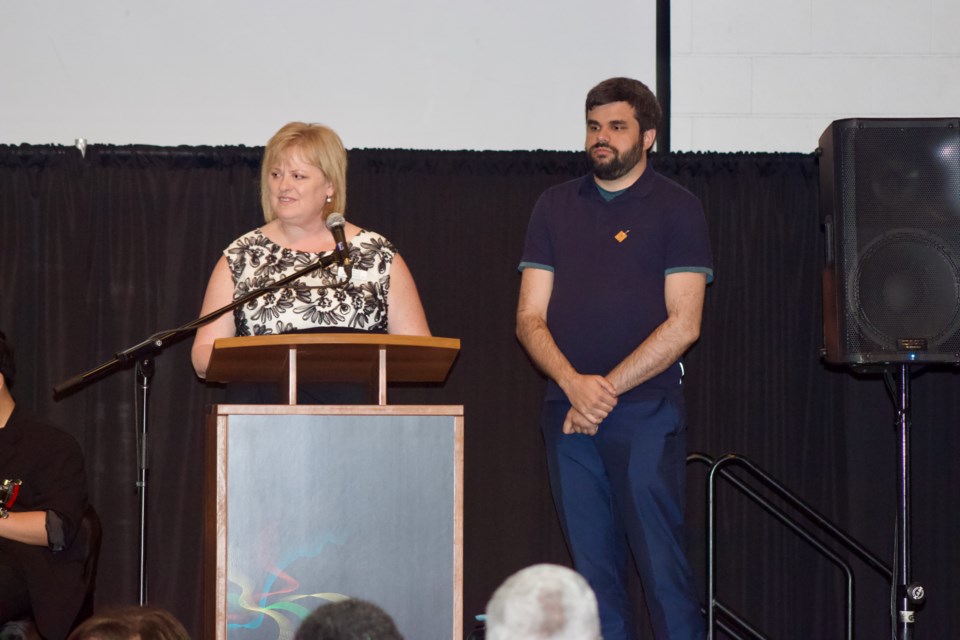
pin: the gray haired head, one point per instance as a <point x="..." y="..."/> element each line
<point x="543" y="602"/>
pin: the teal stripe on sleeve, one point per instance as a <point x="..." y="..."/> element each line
<point x="534" y="265"/>
<point x="704" y="270"/>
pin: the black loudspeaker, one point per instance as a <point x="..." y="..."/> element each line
<point x="890" y="208"/>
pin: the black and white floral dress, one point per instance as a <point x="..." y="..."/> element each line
<point x="323" y="299"/>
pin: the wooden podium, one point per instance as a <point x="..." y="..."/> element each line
<point x="306" y="504"/>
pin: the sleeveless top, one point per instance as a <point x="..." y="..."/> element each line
<point x="323" y="299"/>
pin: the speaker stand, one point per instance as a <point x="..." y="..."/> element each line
<point x="908" y="594"/>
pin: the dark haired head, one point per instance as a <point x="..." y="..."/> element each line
<point x="646" y="108"/>
<point x="131" y="623"/>
<point x="8" y="366"/>
<point x="348" y="620"/>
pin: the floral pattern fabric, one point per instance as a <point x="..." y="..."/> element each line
<point x="321" y="299"/>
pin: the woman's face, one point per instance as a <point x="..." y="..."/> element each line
<point x="298" y="190"/>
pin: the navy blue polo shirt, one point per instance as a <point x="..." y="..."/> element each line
<point x="610" y="261"/>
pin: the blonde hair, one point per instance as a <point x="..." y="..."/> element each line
<point x="321" y="147"/>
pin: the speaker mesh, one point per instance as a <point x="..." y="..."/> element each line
<point x="890" y="190"/>
<point x="905" y="288"/>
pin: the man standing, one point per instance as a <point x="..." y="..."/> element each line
<point x="41" y="569"/>
<point x="614" y="272"/>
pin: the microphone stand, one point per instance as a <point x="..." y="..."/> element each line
<point x="143" y="353"/>
<point x="909" y="594"/>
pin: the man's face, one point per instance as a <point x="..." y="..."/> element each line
<point x="614" y="142"/>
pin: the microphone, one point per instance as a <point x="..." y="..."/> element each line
<point x="335" y="222"/>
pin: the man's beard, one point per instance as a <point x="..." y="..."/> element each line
<point x="617" y="166"/>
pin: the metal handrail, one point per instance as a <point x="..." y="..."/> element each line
<point x="718" y="470"/>
<point x="742" y="624"/>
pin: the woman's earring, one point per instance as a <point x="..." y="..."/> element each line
<point x="329" y="199"/>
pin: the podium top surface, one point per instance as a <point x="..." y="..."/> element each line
<point x="332" y="357"/>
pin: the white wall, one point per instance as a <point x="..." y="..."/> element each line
<point x="770" y="75"/>
<point x="748" y="75"/>
<point x="423" y="74"/>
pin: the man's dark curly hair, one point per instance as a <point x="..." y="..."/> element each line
<point x="645" y="105"/>
<point x="8" y="366"/>
<point x="348" y="620"/>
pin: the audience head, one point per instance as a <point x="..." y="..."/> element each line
<point x="8" y="367"/>
<point x="543" y="602"/>
<point x="348" y="620"/>
<point x="317" y="145"/>
<point x="645" y="105"/>
<point x="131" y="623"/>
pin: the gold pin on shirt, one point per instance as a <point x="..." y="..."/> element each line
<point x="621" y="236"/>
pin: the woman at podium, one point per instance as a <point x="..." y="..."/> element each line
<point x="368" y="287"/>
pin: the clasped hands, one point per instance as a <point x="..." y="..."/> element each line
<point x="592" y="398"/>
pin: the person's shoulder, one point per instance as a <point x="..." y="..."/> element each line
<point x="562" y="196"/>
<point x="671" y="193"/>
<point x="368" y="235"/>
<point x="43" y="429"/>
<point x="566" y="188"/>
<point x="669" y="185"/>
<point x="369" y="240"/>
<point x="253" y="237"/>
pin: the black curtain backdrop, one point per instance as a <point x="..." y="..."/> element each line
<point x="100" y="252"/>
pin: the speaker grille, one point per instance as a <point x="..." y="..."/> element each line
<point x="890" y="189"/>
<point x="905" y="290"/>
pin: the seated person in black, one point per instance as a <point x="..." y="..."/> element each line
<point x="40" y="572"/>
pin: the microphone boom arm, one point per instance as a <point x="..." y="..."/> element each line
<point x="157" y="341"/>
